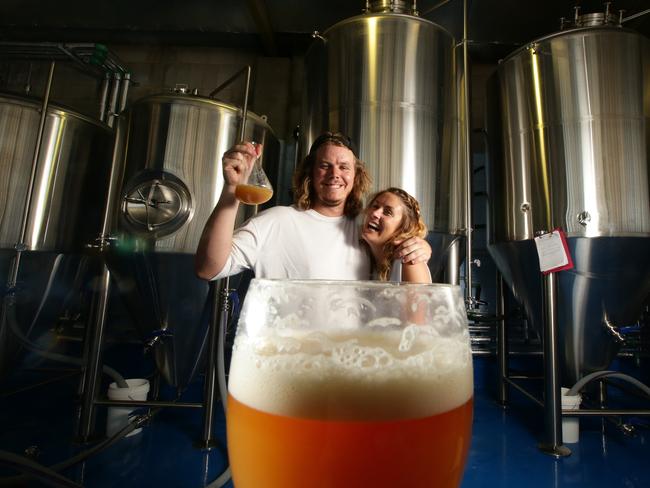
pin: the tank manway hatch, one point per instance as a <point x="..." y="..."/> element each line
<point x="156" y="205"/>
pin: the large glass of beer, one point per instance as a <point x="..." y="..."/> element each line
<point x="350" y="384"/>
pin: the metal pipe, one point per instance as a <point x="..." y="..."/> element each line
<point x="431" y="9"/>
<point x="468" y="164"/>
<point x="95" y="335"/>
<point x="604" y="413"/>
<point x="124" y="92"/>
<point x="112" y="104"/>
<point x="502" y="343"/>
<point x="218" y="319"/>
<point x="453" y="263"/>
<point x="104" y="97"/>
<point x="114" y="182"/>
<point x="602" y="400"/>
<point x="228" y="81"/>
<point x="525" y="392"/>
<point x="220" y="304"/>
<point x="552" y="444"/>
<point x="244" y="115"/>
<point x="634" y="16"/>
<point x="20" y="246"/>
<point x="92" y="353"/>
<point x="37" y="151"/>
<point x="147" y="403"/>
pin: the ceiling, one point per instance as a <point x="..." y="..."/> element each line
<point x="281" y="27"/>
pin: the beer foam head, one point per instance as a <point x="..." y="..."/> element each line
<point x="392" y="353"/>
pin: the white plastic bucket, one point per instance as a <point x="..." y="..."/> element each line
<point x="118" y="417"/>
<point x="570" y="425"/>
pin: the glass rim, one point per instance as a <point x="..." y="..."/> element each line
<point x="356" y="283"/>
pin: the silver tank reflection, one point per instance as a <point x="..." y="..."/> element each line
<point x="386" y="79"/>
<point x="63" y="215"/>
<point x="171" y="181"/>
<point x="571" y="149"/>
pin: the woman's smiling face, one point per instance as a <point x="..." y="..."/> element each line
<point x="383" y="218"/>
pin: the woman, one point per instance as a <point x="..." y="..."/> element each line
<point x="391" y="217"/>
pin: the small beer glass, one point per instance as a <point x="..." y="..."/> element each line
<point x="257" y="189"/>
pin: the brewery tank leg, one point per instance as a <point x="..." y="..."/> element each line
<point x="552" y="444"/>
<point x="94" y="338"/>
<point x="453" y="263"/>
<point x="219" y="316"/>
<point x="502" y="343"/>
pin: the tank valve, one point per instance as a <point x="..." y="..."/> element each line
<point x="316" y="35"/>
<point x="584" y="218"/>
<point x="156" y="337"/>
<point x="627" y="430"/>
<point x="181" y="89"/>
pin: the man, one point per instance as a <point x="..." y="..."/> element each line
<point x="317" y="238"/>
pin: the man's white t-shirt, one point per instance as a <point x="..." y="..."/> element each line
<point x="284" y="242"/>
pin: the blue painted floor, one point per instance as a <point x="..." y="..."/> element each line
<point x="503" y="453"/>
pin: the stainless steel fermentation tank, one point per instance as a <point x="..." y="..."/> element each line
<point x="572" y="150"/>
<point x="171" y="182"/>
<point x="64" y="212"/>
<point x="388" y="81"/>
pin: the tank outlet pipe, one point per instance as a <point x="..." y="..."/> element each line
<point x="244" y="110"/>
<point x="124" y="92"/>
<point x="113" y="100"/>
<point x="115" y="180"/>
<point x="21" y="245"/>
<point x="37" y="151"/>
<point x="103" y="99"/>
<point x="469" y="299"/>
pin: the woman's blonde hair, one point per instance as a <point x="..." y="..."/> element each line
<point x="412" y="225"/>
<point x="303" y="191"/>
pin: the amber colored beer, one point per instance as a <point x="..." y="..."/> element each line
<point x="274" y="451"/>
<point x="253" y="194"/>
<point x="337" y="385"/>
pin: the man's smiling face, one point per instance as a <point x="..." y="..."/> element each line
<point x="333" y="178"/>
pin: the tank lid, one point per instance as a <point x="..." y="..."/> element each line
<point x="183" y="89"/>
<point x="392" y="6"/>
<point x="594" y="19"/>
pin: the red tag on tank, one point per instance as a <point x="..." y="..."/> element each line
<point x="553" y="252"/>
